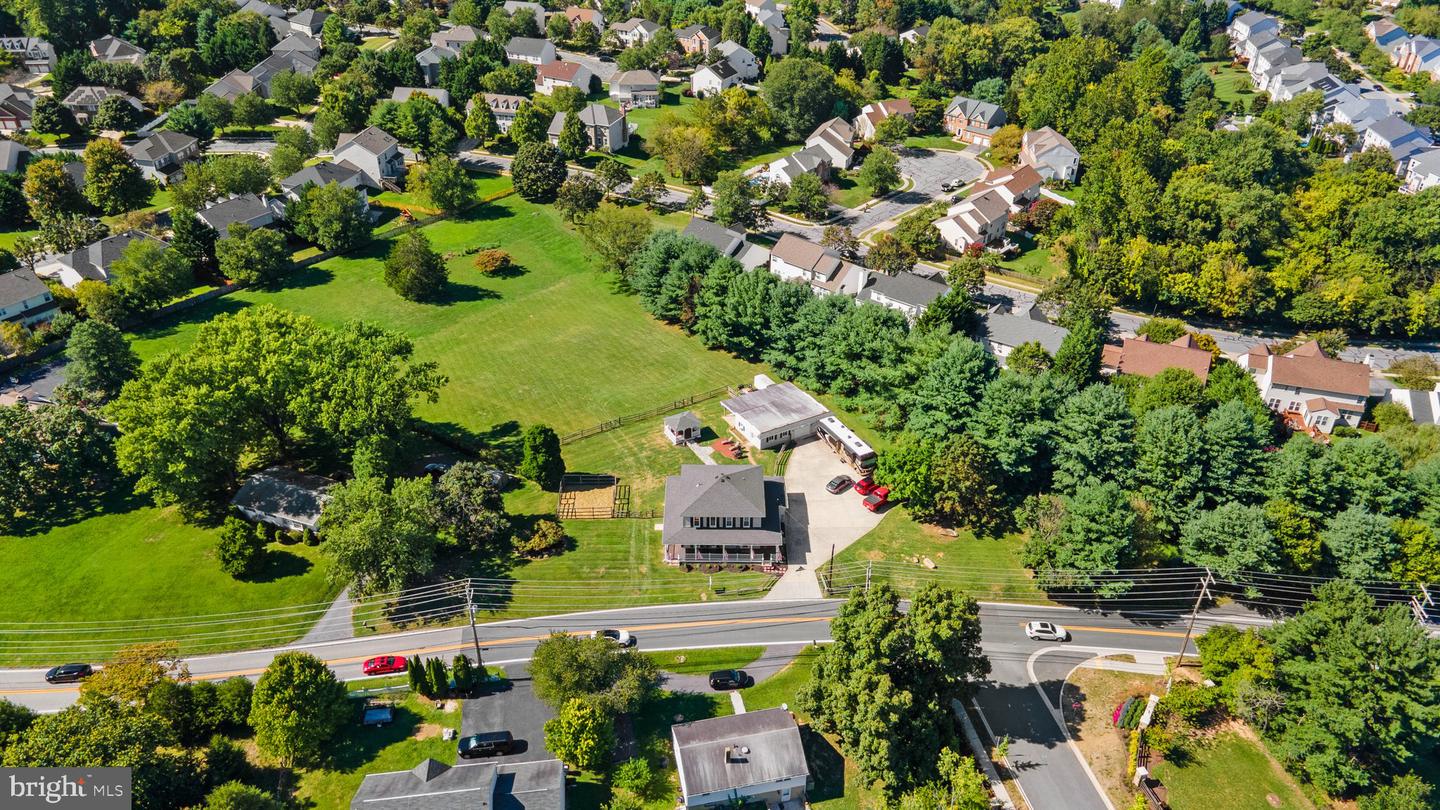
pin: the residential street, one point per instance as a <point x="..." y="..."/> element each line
<point x="1048" y="770"/>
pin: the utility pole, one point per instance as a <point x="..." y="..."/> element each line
<point x="474" y="636"/>
<point x="1204" y="594"/>
<point x="830" y="573"/>
<point x="869" y="566"/>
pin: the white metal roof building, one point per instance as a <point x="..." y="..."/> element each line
<point x="775" y="414"/>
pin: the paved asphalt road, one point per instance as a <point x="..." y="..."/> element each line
<point x="1049" y="772"/>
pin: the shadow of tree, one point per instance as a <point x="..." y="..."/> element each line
<point x="827" y="766"/>
<point x="359" y="745"/>
<point x="276" y="564"/>
<point x="59" y="512"/>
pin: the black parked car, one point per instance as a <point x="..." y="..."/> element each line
<point x="730" y="679"/>
<point x="69" y="673"/>
<point x="486" y="744"/>
<point x="839" y="484"/>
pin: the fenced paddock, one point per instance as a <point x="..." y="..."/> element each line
<point x="659" y="410"/>
<point x="595" y="497"/>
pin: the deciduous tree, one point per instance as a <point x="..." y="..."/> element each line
<point x="253" y="255"/>
<point x="880" y="173"/>
<point x="883" y="685"/>
<point x="538" y="170"/>
<point x="414" y="270"/>
<point x="581" y="734"/>
<point x="100" y="359"/>
<point x="297" y="708"/>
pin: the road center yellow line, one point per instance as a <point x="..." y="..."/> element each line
<point x="466" y="645"/>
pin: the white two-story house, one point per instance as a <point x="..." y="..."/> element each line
<point x="1308" y="387"/>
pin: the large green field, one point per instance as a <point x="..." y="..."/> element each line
<point x="552" y="342"/>
<point x="131" y="561"/>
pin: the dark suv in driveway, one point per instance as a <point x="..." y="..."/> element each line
<point x="486" y="744"/>
<point x="69" y="673"/>
<point x="730" y="679"/>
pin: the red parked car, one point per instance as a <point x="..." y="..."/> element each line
<point x="384" y="665"/>
<point x="877" y="498"/>
<point x="864" y="486"/>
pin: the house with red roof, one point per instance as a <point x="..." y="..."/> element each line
<point x="1143" y="357"/>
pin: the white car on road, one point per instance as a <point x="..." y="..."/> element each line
<point x="620" y="638"/>
<point x="1046" y="631"/>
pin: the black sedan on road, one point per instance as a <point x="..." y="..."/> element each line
<point x="69" y="673"/>
<point x="839" y="484"/>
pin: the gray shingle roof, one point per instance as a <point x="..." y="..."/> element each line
<point x="907" y="288"/>
<point x="435" y="54"/>
<point x="12" y="154"/>
<point x="374" y="140"/>
<point x="598" y="115"/>
<point x="723" y="69"/>
<point x="93" y="261"/>
<point x="711" y="490"/>
<point x="432" y="785"/>
<point x="1013" y="330"/>
<point x="723" y="491"/>
<point x="771" y="735"/>
<point x="162" y="143"/>
<point x="691" y="30"/>
<point x="19" y="285"/>
<point x="635" y="80"/>
<point x="285" y="493"/>
<point x="682" y="420"/>
<point x="242" y="208"/>
<point x="526" y="46"/>
<point x="726" y="240"/>
<point x="320" y="174"/>
<point x="304" y="43"/>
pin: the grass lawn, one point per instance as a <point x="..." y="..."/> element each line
<point x="1231" y="83"/>
<point x="551" y="342"/>
<point x="414" y="735"/>
<point x="376" y="43"/>
<point x="940" y="141"/>
<point x="611" y="564"/>
<point x="643" y="119"/>
<point x="135" y="561"/>
<point x="848" y="193"/>
<point x="985" y="568"/>
<point x="701" y="662"/>
<point x="1226" y="766"/>
<point x="1231" y="772"/>
<point x="1033" y="261"/>
<point x="9" y="238"/>
<point x="486" y="186"/>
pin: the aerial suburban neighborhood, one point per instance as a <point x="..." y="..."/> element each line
<point x="615" y="405"/>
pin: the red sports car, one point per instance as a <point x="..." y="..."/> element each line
<point x="384" y="665"/>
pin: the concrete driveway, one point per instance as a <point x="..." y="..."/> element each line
<point x="927" y="170"/>
<point x="592" y="63"/>
<point x="816" y="521"/>
<point x="517" y="710"/>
